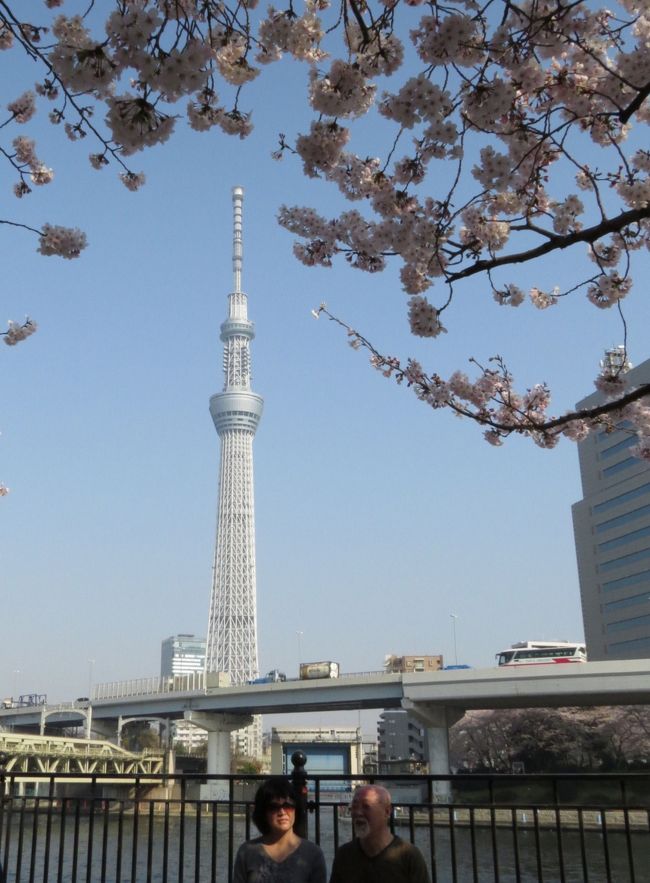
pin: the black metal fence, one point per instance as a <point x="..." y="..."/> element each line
<point x="546" y="829"/>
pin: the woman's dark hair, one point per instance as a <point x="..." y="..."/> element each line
<point x="275" y="788"/>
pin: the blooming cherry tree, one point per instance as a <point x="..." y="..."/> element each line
<point x="517" y="133"/>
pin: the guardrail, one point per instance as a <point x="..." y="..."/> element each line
<point x="175" y="684"/>
<point x="149" y="686"/>
<point x="492" y="827"/>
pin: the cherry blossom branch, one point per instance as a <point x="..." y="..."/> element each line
<point x="555" y="243"/>
<point x="492" y="402"/>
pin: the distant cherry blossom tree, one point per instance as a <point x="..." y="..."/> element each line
<point x="518" y="132"/>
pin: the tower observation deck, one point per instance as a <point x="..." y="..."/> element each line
<point x="236" y="412"/>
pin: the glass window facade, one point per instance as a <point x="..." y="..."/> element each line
<point x="634" y="579"/>
<point x="606" y="453"/>
<point x="625" y="539"/>
<point x="637" y="645"/>
<point x="620" y="467"/>
<point x="620" y="520"/>
<point x="623" y="560"/>
<point x="632" y="601"/>
<point x="632" y="623"/>
<point x="622" y="499"/>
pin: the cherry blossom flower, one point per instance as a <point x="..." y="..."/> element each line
<point x="132" y="181"/>
<point x="64" y="241"/>
<point x="23" y="108"/>
<point x="17" y="332"/>
<point x="510" y="97"/>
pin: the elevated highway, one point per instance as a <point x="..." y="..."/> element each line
<point x="591" y="683"/>
<point x="437" y="699"/>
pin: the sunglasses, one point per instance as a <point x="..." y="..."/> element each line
<point x="277" y="807"/>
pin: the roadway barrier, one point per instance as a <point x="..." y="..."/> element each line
<point x="526" y="828"/>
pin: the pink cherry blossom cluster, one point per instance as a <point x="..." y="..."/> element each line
<point x="16" y="331"/>
<point x="24" y="159"/>
<point x="492" y="400"/>
<point x="64" y="241"/>
<point x="285" y="31"/>
<point x="506" y="95"/>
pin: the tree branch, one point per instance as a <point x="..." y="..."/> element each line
<point x="588" y="234"/>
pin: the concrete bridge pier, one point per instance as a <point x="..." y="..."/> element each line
<point x="219" y="727"/>
<point x="437" y="720"/>
<point x="106" y="729"/>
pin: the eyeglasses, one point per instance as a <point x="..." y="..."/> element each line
<point x="277" y="807"/>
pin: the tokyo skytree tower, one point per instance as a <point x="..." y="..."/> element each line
<point x="232" y="626"/>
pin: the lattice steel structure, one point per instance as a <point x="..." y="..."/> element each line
<point x="232" y="627"/>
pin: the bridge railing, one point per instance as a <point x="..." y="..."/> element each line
<point x="149" y="686"/>
<point x="481" y="827"/>
<point x="178" y="684"/>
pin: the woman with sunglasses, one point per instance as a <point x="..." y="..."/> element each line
<point x="279" y="855"/>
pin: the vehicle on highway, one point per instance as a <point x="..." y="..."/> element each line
<point x="312" y="670"/>
<point x="542" y="653"/>
<point x="273" y="677"/>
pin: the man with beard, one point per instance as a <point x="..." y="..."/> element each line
<point x="376" y="855"/>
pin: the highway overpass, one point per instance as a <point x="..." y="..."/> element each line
<point x="437" y="699"/>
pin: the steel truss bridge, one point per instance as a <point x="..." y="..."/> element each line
<point x="27" y="754"/>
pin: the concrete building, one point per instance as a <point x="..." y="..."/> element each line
<point x="401" y="742"/>
<point x="394" y="663"/>
<point x="612" y="535"/>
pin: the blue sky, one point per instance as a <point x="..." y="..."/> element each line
<point x="376" y="517"/>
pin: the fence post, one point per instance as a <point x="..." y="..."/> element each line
<point x="4" y="757"/>
<point x="299" y="782"/>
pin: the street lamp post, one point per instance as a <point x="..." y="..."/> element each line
<point x="454" y="617"/>
<point x="91" y="665"/>
<point x="299" y="636"/>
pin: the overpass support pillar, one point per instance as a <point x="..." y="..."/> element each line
<point x="219" y="727"/>
<point x="89" y="722"/>
<point x="108" y="729"/>
<point x="437" y="720"/>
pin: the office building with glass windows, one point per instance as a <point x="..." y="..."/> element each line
<point x="182" y="655"/>
<point x="612" y="535"/>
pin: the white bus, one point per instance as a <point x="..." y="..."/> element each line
<point x="541" y="653"/>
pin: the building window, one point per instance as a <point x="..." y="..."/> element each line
<point x="626" y="538"/>
<point x="633" y="580"/>
<point x="624" y="424"/>
<point x="620" y="446"/>
<point x="623" y="624"/>
<point x="633" y="645"/>
<point x="622" y="519"/>
<point x="622" y="498"/>
<point x="627" y="602"/>
<point x="619" y="467"/>
<point x="623" y="560"/>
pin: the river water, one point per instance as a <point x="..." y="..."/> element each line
<point x="139" y="849"/>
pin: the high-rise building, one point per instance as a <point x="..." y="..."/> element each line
<point x="236" y="411"/>
<point x="612" y="534"/>
<point x="181" y="655"/>
<point x="184" y="655"/>
<point x="401" y="740"/>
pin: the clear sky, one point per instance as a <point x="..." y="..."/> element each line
<point x="376" y="517"/>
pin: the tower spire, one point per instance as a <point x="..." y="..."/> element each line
<point x="236" y="412"/>
<point x="237" y="249"/>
